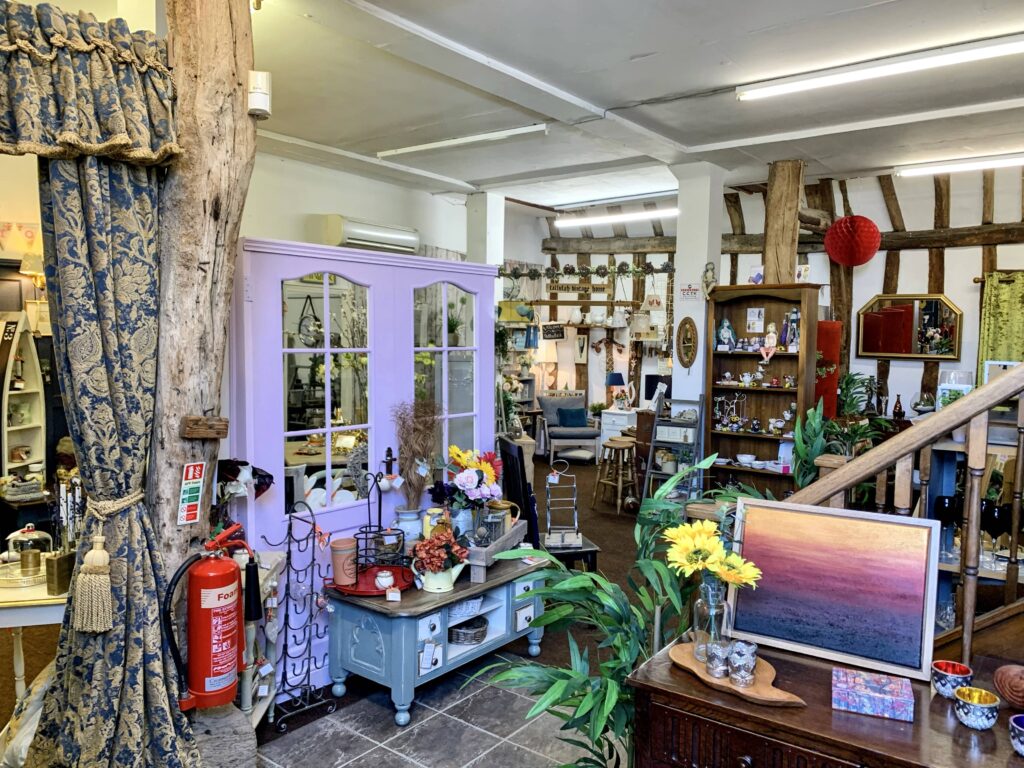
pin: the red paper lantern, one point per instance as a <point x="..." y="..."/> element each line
<point x="852" y="240"/>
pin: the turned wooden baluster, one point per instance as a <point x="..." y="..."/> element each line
<point x="925" y="471"/>
<point x="903" y="485"/>
<point x="827" y="464"/>
<point x="1012" y="566"/>
<point x="970" y="539"/>
<point x="881" y="490"/>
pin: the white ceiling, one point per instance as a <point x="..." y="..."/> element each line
<point x="627" y="88"/>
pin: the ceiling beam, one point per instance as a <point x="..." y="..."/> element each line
<point x="951" y="237"/>
<point x="413" y="42"/>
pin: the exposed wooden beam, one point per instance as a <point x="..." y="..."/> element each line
<point x="1006" y="233"/>
<point x="891" y="275"/>
<point x="840" y="277"/>
<point x="656" y="227"/>
<point x="739" y="227"/>
<point x="988" y="208"/>
<point x="781" y="225"/>
<point x="814" y="220"/>
<point x="937" y="272"/>
<point x="618" y="230"/>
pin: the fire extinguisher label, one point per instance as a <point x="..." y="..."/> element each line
<point x="219" y="598"/>
<point x="220" y="681"/>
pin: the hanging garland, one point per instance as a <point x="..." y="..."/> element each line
<point x="623" y="269"/>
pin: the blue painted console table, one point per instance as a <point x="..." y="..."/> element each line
<point x="383" y="641"/>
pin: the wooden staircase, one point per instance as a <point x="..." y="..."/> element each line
<point x="913" y="447"/>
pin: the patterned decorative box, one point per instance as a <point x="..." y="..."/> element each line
<point x="868" y="693"/>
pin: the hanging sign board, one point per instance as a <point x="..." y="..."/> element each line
<point x="192" y="479"/>
<point x="553" y="331"/>
<point x="558" y="287"/>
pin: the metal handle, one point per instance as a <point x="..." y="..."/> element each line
<point x="528" y="618"/>
<point x="526" y="589"/>
<point x="745" y="762"/>
<point x="433" y="627"/>
<point x="433" y="663"/>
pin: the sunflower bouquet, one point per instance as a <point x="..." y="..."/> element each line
<point x="702" y="548"/>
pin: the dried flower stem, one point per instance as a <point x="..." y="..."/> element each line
<point x="416" y="429"/>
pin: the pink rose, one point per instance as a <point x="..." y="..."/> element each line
<point x="467" y="479"/>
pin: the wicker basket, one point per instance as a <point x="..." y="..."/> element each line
<point x="471" y="632"/>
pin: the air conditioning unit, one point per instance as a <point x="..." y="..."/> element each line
<point x="353" y="233"/>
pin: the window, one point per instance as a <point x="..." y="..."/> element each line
<point x="326" y="386"/>
<point x="444" y="353"/>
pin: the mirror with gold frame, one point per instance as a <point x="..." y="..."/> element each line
<point x="910" y="326"/>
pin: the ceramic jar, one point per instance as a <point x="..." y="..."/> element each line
<point x="343" y="561"/>
<point x="408" y="522"/>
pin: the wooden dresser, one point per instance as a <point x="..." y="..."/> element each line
<point x="681" y="723"/>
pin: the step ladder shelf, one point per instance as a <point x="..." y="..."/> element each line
<point x="22" y="397"/>
<point x="686" y="453"/>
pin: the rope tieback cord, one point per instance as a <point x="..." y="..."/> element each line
<point x="94" y="604"/>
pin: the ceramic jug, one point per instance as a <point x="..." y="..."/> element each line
<point x="430" y="519"/>
<point x="408" y="522"/>
<point x="499" y="505"/>
<point x="438" y="582"/>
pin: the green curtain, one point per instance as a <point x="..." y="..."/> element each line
<point x="95" y="102"/>
<point x="1001" y="336"/>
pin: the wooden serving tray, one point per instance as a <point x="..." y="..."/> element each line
<point x="761" y="692"/>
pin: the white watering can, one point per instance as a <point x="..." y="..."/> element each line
<point x="439" y="582"/>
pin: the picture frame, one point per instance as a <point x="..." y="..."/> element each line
<point x="518" y="338"/>
<point x="38" y="312"/>
<point x="755" y="319"/>
<point x="990" y="369"/>
<point x="949" y="393"/>
<point x="819" y="593"/>
<point x="581" y="348"/>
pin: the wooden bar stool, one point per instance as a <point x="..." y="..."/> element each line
<point x="616" y="470"/>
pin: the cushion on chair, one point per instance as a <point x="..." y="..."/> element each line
<point x="550" y="405"/>
<point x="572" y="417"/>
<point x="573" y="433"/>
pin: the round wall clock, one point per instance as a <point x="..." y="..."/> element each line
<point x="686" y="342"/>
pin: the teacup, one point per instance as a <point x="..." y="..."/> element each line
<point x="976" y="708"/>
<point x="1017" y="734"/>
<point x="947" y="676"/>
<point x="384" y="579"/>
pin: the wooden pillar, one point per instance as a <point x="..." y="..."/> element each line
<point x="739" y="227"/>
<point x="781" y="222"/>
<point x="1013" y="565"/>
<point x="937" y="273"/>
<point x="890" y="279"/>
<point x="200" y="215"/>
<point x="582" y="369"/>
<point x="840" y="278"/>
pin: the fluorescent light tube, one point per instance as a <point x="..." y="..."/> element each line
<point x="966" y="164"/>
<point x="617" y="218"/>
<point x="886" y="67"/>
<point x="474" y="139"/>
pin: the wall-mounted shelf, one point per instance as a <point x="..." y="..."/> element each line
<point x="24" y="408"/>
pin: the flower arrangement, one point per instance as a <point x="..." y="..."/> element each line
<point x="472" y="479"/>
<point x="440" y="551"/>
<point x="699" y="547"/>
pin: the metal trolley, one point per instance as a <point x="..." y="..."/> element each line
<point x="561" y="499"/>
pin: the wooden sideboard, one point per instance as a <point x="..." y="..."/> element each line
<point x="681" y="723"/>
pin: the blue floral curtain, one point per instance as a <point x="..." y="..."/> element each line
<point x="95" y="102"/>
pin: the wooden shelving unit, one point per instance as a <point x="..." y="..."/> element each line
<point x="763" y="403"/>
<point x="24" y="407"/>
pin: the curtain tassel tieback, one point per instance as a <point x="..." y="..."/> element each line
<point x="94" y="603"/>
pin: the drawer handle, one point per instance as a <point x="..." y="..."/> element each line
<point x="745" y="762"/>
<point x="526" y="588"/>
<point x="433" y="627"/>
<point x="433" y="663"/>
<point x="527" y="618"/>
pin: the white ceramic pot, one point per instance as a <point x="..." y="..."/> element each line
<point x="438" y="582"/>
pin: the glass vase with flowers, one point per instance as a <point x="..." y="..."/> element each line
<point x="471" y="480"/>
<point x="701" y="549"/>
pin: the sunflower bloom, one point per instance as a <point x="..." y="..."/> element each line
<point x="695" y="552"/>
<point x="686" y="531"/>
<point x="733" y="569"/>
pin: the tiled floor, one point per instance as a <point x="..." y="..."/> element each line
<point x="455" y="723"/>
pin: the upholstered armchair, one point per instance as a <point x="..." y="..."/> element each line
<point x="564" y="424"/>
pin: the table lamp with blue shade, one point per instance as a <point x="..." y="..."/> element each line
<point x="620" y="397"/>
<point x="614" y="380"/>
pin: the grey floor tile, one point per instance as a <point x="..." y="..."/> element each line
<point x="374" y="716"/>
<point x="469" y="670"/>
<point x="508" y="755"/>
<point x="265" y="762"/>
<point x="381" y="758"/>
<point x="543" y="735"/>
<point x="443" y="692"/>
<point x="442" y="742"/>
<point x="321" y="743"/>
<point x="495" y="710"/>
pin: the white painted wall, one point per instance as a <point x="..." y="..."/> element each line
<point x="524" y="230"/>
<point x="286" y="195"/>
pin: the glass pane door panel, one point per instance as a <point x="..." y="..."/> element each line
<point x="460" y="382"/>
<point x="305" y="394"/>
<point x="429" y="376"/>
<point x="461" y="432"/>
<point x="349" y="387"/>
<point x="303" y="309"/>
<point x="427" y="316"/>
<point x="340" y="455"/>
<point x="347" y="321"/>
<point x="460" y="317"/>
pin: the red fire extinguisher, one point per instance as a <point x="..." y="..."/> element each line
<point x="216" y="640"/>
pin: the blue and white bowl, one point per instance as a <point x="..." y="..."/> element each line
<point x="976" y="708"/>
<point x="947" y="676"/>
<point x="1017" y="734"/>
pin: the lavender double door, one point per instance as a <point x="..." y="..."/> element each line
<point x="324" y="342"/>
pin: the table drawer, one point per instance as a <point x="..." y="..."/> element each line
<point x="619" y="420"/>
<point x="524" y="616"/>
<point x="683" y="740"/>
<point x="521" y="589"/>
<point x="428" y="626"/>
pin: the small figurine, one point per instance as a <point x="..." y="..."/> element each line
<point x="784" y="336"/>
<point x="788" y="381"/>
<point x="726" y="336"/>
<point x="771" y="340"/>
<point x="794" y="330"/>
<point x="774" y="382"/>
<point x="755" y="425"/>
<point x="709" y="279"/>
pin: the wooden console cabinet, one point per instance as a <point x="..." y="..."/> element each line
<point x="681" y="723"/>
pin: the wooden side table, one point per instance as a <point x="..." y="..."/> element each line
<point x="384" y="642"/>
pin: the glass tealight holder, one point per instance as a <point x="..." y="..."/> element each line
<point x="742" y="662"/>
<point x="717" y="663"/>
